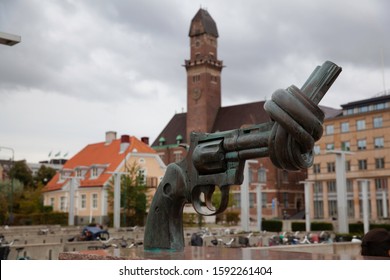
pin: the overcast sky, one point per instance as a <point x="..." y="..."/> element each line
<point x="89" y="66"/>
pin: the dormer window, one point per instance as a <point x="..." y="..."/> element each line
<point x="96" y="170"/>
<point x="80" y="171"/>
<point x="162" y="141"/>
<point x="179" y="139"/>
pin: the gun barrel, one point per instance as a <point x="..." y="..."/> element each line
<point x="320" y="81"/>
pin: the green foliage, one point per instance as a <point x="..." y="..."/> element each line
<point x="298" y="226"/>
<point x="317" y="226"/>
<point x="44" y="175"/>
<point x="22" y="173"/>
<point x="133" y="196"/>
<point x="358" y="228"/>
<point x="217" y="196"/>
<point x="52" y="218"/>
<point x="272" y="225"/>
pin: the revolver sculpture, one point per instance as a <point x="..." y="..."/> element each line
<point x="218" y="159"/>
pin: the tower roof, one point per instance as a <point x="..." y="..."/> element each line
<point x="207" y="24"/>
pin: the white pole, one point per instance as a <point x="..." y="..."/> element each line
<point x="245" y="199"/>
<point x="71" y="202"/>
<point x="342" y="211"/>
<point x="307" y="205"/>
<point x="384" y="204"/>
<point x="259" y="206"/>
<point x="117" y="200"/>
<point x="365" y="205"/>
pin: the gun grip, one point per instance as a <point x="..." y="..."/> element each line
<point x="164" y="224"/>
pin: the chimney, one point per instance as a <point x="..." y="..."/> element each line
<point x="125" y="143"/>
<point x="145" y="140"/>
<point x="110" y="136"/>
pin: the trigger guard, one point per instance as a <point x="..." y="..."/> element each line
<point x="210" y="210"/>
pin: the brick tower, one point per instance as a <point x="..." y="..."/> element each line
<point x="203" y="74"/>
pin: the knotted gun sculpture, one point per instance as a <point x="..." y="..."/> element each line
<point x="218" y="159"/>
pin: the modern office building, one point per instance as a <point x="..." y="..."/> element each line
<point x="361" y="132"/>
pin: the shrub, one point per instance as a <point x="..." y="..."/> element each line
<point x="298" y="226"/>
<point x="272" y="225"/>
<point x="317" y="226"/>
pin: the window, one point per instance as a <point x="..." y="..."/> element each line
<point x="317" y="149"/>
<point x="316" y="168"/>
<point x="379" y="142"/>
<point x="329" y="146"/>
<point x="345" y="127"/>
<point x="263" y="200"/>
<point x="261" y="175"/>
<point x="380" y="106"/>
<point x="196" y="78"/>
<point x="360" y="124"/>
<point x="252" y="199"/>
<point x="380" y="184"/>
<point x="332" y="208"/>
<point x="349" y="186"/>
<point x="83" y="201"/>
<point x="361" y="144"/>
<point x="331" y="186"/>
<point x="94" y="201"/>
<point x="345" y="146"/>
<point x="62" y="203"/>
<point x="329" y="129"/>
<point x="363" y="109"/>
<point x="377" y="122"/>
<point x="331" y="167"/>
<point x="52" y="202"/>
<point x="362" y="164"/>
<point x="380" y="163"/>
<point x="142" y="176"/>
<point x="318" y="187"/>
<point x="94" y="172"/>
<point x="318" y="209"/>
<point x="348" y="165"/>
<point x="351" y="208"/>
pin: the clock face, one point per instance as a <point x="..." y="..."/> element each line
<point x="196" y="93"/>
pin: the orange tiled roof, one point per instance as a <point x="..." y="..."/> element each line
<point x="98" y="154"/>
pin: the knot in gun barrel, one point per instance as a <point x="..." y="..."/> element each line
<point x="298" y="125"/>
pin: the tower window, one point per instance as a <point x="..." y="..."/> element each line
<point x="196" y="78"/>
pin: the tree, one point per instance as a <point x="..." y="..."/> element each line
<point x="133" y="195"/>
<point x="44" y="175"/>
<point x="22" y="173"/>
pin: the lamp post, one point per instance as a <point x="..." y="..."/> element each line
<point x="9" y="39"/>
<point x="11" y="206"/>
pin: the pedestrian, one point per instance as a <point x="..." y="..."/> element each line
<point x="376" y="243"/>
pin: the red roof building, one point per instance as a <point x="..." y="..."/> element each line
<point x="93" y="168"/>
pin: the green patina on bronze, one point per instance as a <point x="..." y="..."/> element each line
<point x="218" y="159"/>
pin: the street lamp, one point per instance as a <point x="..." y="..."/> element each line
<point x="9" y="39"/>
<point x="11" y="207"/>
